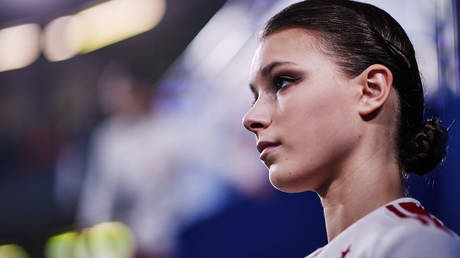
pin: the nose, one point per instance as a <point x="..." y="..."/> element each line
<point x="257" y="118"/>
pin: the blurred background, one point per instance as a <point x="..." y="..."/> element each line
<point x="121" y="135"/>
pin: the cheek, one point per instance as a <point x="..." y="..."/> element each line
<point x="318" y="129"/>
<point x="317" y="117"/>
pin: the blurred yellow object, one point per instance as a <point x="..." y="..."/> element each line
<point x="111" y="239"/>
<point x="12" y="251"/>
<point x="61" y="245"/>
<point x="105" y="240"/>
<point x="93" y="28"/>
<point x="19" y="46"/>
<point x="113" y="21"/>
<point x="55" y="46"/>
<point x="81" y="246"/>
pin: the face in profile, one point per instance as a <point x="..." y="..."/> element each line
<point x="303" y="117"/>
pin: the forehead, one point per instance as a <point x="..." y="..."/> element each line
<point x="293" y="45"/>
<point x="298" y="37"/>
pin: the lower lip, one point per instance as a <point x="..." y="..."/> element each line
<point x="265" y="152"/>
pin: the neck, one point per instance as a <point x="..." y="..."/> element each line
<point x="358" y="189"/>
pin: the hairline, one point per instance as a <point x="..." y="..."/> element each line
<point x="321" y="44"/>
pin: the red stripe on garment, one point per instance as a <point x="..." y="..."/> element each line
<point x="402" y="215"/>
<point x="414" y="208"/>
<point x="396" y="211"/>
<point x="419" y="212"/>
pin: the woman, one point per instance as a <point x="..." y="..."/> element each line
<point x="338" y="110"/>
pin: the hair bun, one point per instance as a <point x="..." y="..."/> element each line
<point x="426" y="149"/>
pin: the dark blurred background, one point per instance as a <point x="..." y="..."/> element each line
<point x="121" y="136"/>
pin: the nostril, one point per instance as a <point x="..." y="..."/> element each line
<point x="256" y="125"/>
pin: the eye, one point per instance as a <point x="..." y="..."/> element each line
<point x="255" y="93"/>
<point x="256" y="96"/>
<point x="255" y="99"/>
<point x="281" y="81"/>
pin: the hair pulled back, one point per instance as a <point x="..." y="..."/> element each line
<point x="358" y="35"/>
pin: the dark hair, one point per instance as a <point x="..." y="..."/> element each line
<point x="358" y="35"/>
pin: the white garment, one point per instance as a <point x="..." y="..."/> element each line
<point x="401" y="228"/>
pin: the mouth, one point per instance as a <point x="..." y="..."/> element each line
<point x="264" y="147"/>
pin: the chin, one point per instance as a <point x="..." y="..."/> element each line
<point x="288" y="182"/>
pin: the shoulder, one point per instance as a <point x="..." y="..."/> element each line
<point x="418" y="236"/>
<point x="401" y="228"/>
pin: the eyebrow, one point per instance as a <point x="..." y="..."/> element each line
<point x="267" y="70"/>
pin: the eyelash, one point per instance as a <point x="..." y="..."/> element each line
<point x="276" y="80"/>
<point x="279" y="79"/>
<point x="256" y="96"/>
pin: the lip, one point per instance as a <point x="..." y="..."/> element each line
<point x="264" y="147"/>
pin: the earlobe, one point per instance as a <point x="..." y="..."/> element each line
<point x="375" y="86"/>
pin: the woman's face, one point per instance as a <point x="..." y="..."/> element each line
<point x="304" y="115"/>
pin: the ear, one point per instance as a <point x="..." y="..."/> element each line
<point x="375" y="85"/>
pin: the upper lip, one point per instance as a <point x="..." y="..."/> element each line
<point x="261" y="145"/>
